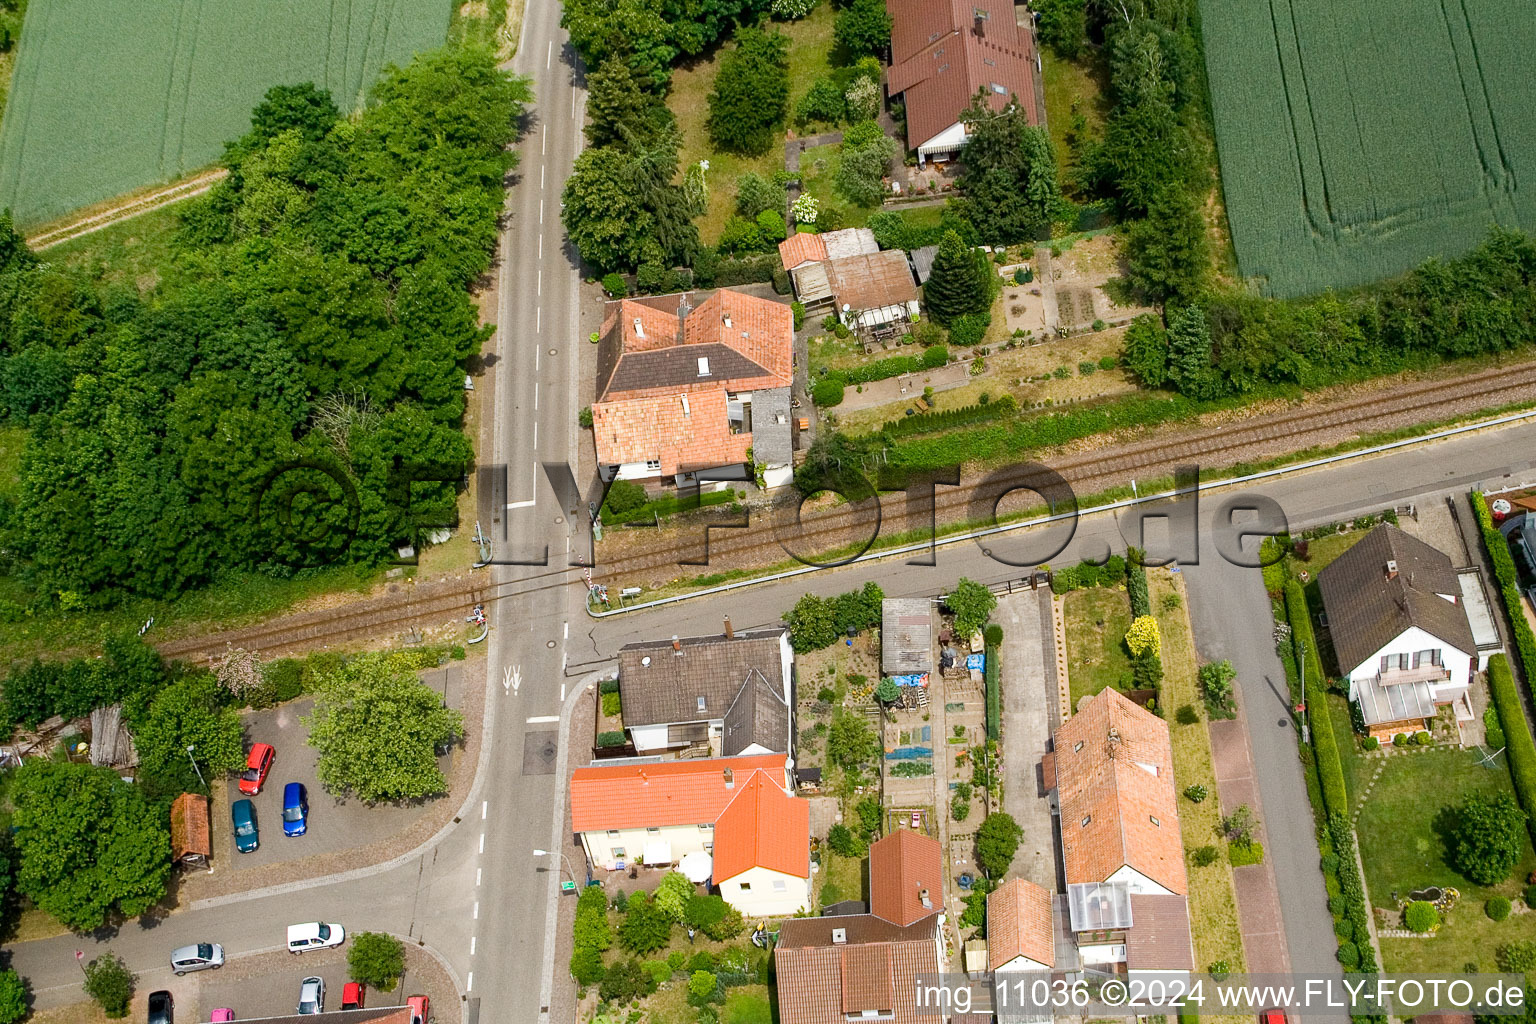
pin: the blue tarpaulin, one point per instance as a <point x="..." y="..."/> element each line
<point x="976" y="661"/>
<point x="916" y="679"/>
<point x="909" y="754"/>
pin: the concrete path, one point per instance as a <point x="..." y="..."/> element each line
<point x="1029" y="716"/>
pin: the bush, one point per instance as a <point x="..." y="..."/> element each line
<point x="1422" y="738"/>
<point x="797" y="308"/>
<point x="1187" y="715"/>
<point x="1196" y="793"/>
<point x="1204" y="856"/>
<point x="626" y="981"/>
<point x="1349" y="955"/>
<point x="969" y="330"/>
<point x="935" y="356"/>
<point x="1497" y="908"/>
<point x="702" y="987"/>
<point x="376" y="959"/>
<point x="1530" y="896"/>
<point x="845" y="842"/>
<point x="615" y="285"/>
<point x="992" y="635"/>
<point x="109" y="981"/>
<point x="714" y="917"/>
<point x="1400" y="740"/>
<point x="1329" y="863"/>
<point x="997" y="840"/>
<point x="959" y="809"/>
<point x="1370" y="743"/>
<point x="1421" y="916"/>
<point x="15" y="996"/>
<point x="1487" y="837"/>
<point x="945" y="419"/>
<point x="610" y="739"/>
<point x="1216" y="679"/>
<point x="624" y="496"/>
<point x="612" y="705"/>
<point x="590" y="936"/>
<point x="645" y="928"/>
<point x="1108" y="363"/>
<point x="827" y="392"/>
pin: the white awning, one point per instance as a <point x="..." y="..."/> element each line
<point x="658" y="852"/>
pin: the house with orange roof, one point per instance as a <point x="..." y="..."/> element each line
<point x="850" y="967"/>
<point x="695" y="387"/>
<point x="1021" y="934"/>
<point x="1127" y="889"/>
<point x="739" y="811"/>
<point x="944" y="53"/>
<point x="763" y="852"/>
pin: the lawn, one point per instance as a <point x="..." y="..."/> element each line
<point x="1403" y="849"/>
<point x="1067" y="82"/>
<point x="810" y="42"/>
<point x="818" y="171"/>
<point x="132" y="253"/>
<point x="1096" y="621"/>
<point x="1212" y="896"/>
<point x="846" y="873"/>
<point x="107" y="98"/>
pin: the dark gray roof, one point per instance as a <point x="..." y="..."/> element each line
<point x="860" y="928"/>
<point x="771" y="442"/>
<point x="758" y="714"/>
<point x="1367" y="610"/>
<point x="922" y="262"/>
<point x="906" y="635"/>
<point x="678" y="366"/>
<point x="660" y="686"/>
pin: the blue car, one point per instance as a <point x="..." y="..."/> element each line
<point x="295" y="810"/>
<point x="244" y="816"/>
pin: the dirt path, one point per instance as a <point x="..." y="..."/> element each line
<point x="123" y="209"/>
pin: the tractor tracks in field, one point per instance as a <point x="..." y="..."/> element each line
<point x="133" y="206"/>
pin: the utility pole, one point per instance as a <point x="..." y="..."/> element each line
<point x="200" y="780"/>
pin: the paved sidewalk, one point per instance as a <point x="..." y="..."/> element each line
<point x="1258" y="892"/>
<point x="1029" y="715"/>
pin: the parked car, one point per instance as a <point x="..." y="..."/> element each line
<point x="312" y="995"/>
<point x="1272" y="1017"/>
<point x="315" y="935"/>
<point x="353" y="994"/>
<point x="419" y="1007"/>
<point x="295" y="809"/>
<point x="201" y="957"/>
<point x="243" y="814"/>
<point x="223" y="1013"/>
<point x="257" y="764"/>
<point x="160" y="1007"/>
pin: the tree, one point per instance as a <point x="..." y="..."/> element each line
<point x="1216" y="679"/>
<point x="1189" y="353"/>
<point x="376" y="959"/>
<point x="1487" y="836"/>
<point x="997" y="840"/>
<point x="15" y="996"/>
<point x="866" y="158"/>
<point x="810" y="624"/>
<point x="1238" y="826"/>
<point x="972" y="603"/>
<point x="955" y="288"/>
<point x="1011" y="192"/>
<point x="109" y="981"/>
<point x="887" y="692"/>
<point x="702" y="987"/>
<point x="1063" y="25"/>
<point x="755" y="194"/>
<point x="620" y="109"/>
<point x="863" y="27"/>
<point x="188" y="713"/>
<point x="1143" y="638"/>
<point x="239" y="670"/>
<point x="714" y="917"/>
<point x="850" y="743"/>
<point x="845" y="842"/>
<point x="672" y="895"/>
<point x="1146" y="351"/>
<point x="645" y="927"/>
<point x="88" y="843"/>
<point x="1167" y="255"/>
<point x="377" y="727"/>
<point x="751" y="94"/>
<point x="624" y="982"/>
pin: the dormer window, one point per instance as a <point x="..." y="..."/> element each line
<point x="703" y="366"/>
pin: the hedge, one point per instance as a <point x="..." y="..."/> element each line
<point x="994" y="690"/>
<point x="1351" y="890"/>
<point x="1518" y="744"/>
<point x="1330" y="770"/>
<point x="1509" y="587"/>
<point x="1088" y="574"/>
<point x="669" y="505"/>
<point x="948" y="419"/>
<point x="1136" y="585"/>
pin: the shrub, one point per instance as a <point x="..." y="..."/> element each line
<point x="1108" y="363"/>
<point x="1087" y="368"/>
<point x="997" y="840"/>
<point x="620" y="900"/>
<point x="1216" y="680"/>
<point x="1196" y="793"/>
<point x="969" y="330"/>
<point x="615" y="285"/>
<point x="1329" y="863"/>
<point x="1204" y="856"/>
<point x="1349" y="955"/>
<point x="959" y="809"/>
<point x="109" y="981"/>
<point x="992" y="635"/>
<point x="702" y="987"/>
<point x="1370" y="743"/>
<point x="703" y="960"/>
<point x="935" y="356"/>
<point x="1487" y="837"/>
<point x="608" y="686"/>
<point x="845" y="842"/>
<point x="1517" y="957"/>
<point x="624" y="496"/>
<point x="645" y="928"/>
<point x="673" y="895"/>
<point x="1143" y="638"/>
<point x="612" y="705"/>
<point x="626" y="981"/>
<point x="1422" y="738"/>
<point x="827" y="392"/>
<point x="376" y="959"/>
<point x="1530" y="896"/>
<point x="1187" y="715"/>
<point x="1421" y="916"/>
<point x="610" y="739"/>
<point x="797" y="308"/>
<point x="15" y="996"/>
<point x="1400" y="740"/>
<point x="1344" y="928"/>
<point x="1497" y="908"/>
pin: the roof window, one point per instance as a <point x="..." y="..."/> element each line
<point x="703" y="366"/>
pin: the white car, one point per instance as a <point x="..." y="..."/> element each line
<point x="304" y="937"/>
<point x="312" y="996"/>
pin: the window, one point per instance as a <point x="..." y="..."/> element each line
<point x="1077" y="746"/>
<point x="1154" y="821"/>
<point x="613" y="833"/>
<point x="653" y="464"/>
<point x="654" y="831"/>
<point x="999" y="89"/>
<point x="618" y="853"/>
<point x="779" y="885"/>
<point x="1086" y="819"/>
<point x="703" y="366"/>
<point x="989" y="62"/>
<point x="708" y="826"/>
<point x="701" y="703"/>
<point x="938" y="53"/>
<point x="1426" y="658"/>
<point x="746" y="886"/>
<point x="709" y="848"/>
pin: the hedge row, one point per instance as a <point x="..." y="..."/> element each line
<point x="669" y="505"/>
<point x="1518" y="744"/>
<point x="591" y="935"/>
<point x="1349" y="904"/>
<point x="1089" y="574"/>
<point x="994" y="692"/>
<point x="1330" y="770"/>
<point x="933" y="357"/>
<point x="1136" y="585"/>
<point x="947" y="419"/>
<point x="1509" y="587"/>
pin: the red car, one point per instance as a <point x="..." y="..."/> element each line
<point x="418" y="1005"/>
<point x="256" y="767"/>
<point x="352" y="995"/>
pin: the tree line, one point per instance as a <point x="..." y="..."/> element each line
<point x="304" y="348"/>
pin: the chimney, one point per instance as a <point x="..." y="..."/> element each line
<point x="1392" y="569"/>
<point x="677" y="646"/>
<point x="730" y="779"/>
<point x="922" y="894"/>
<point x="730" y="634"/>
<point x="839" y="936"/>
<point x="639" y="328"/>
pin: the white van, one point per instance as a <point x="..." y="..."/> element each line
<point x="304" y="937"/>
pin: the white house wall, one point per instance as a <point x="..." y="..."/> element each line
<point x="685" y="839"/>
<point x="1409" y="641"/>
<point x="648" y="737"/>
<point x="771" y="893"/>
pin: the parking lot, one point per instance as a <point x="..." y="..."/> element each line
<point x="268" y="985"/>
<point x="335" y="823"/>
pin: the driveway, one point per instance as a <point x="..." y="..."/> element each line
<point x="334" y="823"/>
<point x="1029" y="715"/>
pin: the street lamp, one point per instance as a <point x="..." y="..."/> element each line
<point x="564" y="859"/>
<point x="200" y="780"/>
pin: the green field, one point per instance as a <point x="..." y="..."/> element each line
<point x="1357" y="140"/>
<point x="108" y="98"/>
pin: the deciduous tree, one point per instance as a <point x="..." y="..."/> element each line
<point x="751" y="94"/>
<point x="997" y="840"/>
<point x="1487" y="836"/>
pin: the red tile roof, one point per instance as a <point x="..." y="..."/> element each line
<point x="190" y="827"/>
<point x="823" y="983"/>
<point x="1119" y="804"/>
<point x="1019" y="923"/>
<point x="802" y="247"/>
<point x="901" y="866"/>
<point x="666" y="793"/>
<point x="940" y="62"/>
<point x="661" y="427"/>
<point x="763" y="827"/>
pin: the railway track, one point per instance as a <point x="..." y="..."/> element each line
<point x="409" y="605"/>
